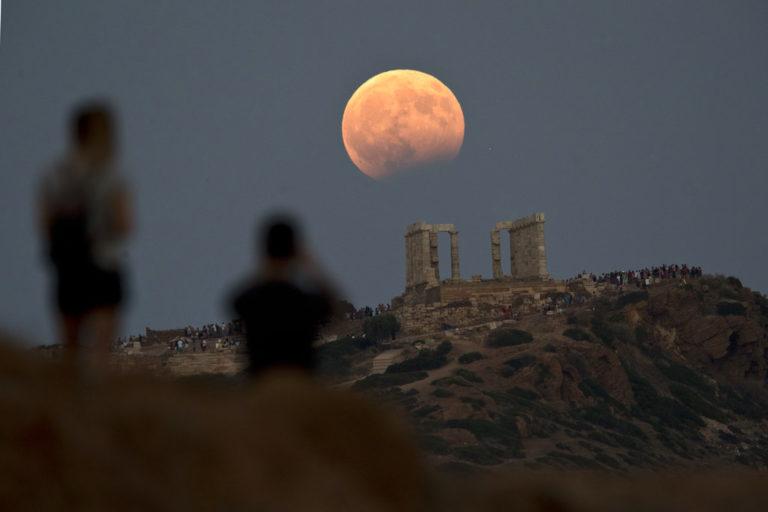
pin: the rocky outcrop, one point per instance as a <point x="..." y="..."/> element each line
<point x="685" y="322"/>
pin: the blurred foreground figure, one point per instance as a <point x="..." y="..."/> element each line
<point x="285" y="303"/>
<point x="85" y="217"/>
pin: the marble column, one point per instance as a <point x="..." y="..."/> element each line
<point x="455" y="270"/>
<point x="496" y="254"/>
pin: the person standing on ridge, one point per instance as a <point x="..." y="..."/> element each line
<point x="85" y="216"/>
<point x="284" y="304"/>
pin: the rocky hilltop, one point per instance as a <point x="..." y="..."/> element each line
<point x="669" y="376"/>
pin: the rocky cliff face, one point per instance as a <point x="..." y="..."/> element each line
<point x="714" y="324"/>
<point x="673" y="376"/>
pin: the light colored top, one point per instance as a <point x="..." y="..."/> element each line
<point x="68" y="184"/>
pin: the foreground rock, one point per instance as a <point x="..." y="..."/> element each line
<point x="137" y="443"/>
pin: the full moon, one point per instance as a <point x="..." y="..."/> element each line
<point x="400" y="120"/>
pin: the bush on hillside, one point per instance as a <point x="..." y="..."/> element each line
<point x="521" y="361"/>
<point x="435" y="444"/>
<point x="725" y="287"/>
<point x="576" y="334"/>
<point x="385" y="380"/>
<point x="522" y="393"/>
<point x="381" y="328"/>
<point x="602" y="331"/>
<point x="641" y="335"/>
<point x="680" y="373"/>
<point x="659" y="410"/>
<point x="631" y="298"/>
<point x="344" y="347"/>
<point x="592" y="389"/>
<point x="504" y="432"/>
<point x="623" y="333"/>
<point x="476" y="403"/>
<point x="427" y="359"/>
<point x="743" y="403"/>
<point x="731" y="308"/>
<point x="508" y="337"/>
<point x="468" y="375"/>
<point x="698" y="404"/>
<point x="515" y="364"/>
<point x="480" y="454"/>
<point x="602" y="416"/>
<point x="424" y="411"/>
<point x="470" y="357"/>
<point x="761" y="301"/>
<point x="334" y="358"/>
<point x="450" y="380"/>
<point x="617" y="318"/>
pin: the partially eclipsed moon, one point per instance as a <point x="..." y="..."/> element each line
<point x="399" y="120"/>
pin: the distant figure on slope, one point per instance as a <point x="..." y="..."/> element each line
<point x="284" y="304"/>
<point x="85" y="217"/>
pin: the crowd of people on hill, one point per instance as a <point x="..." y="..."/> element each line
<point x="213" y="330"/>
<point x="215" y="336"/>
<point x="368" y="312"/>
<point x="184" y="344"/>
<point x="645" y="277"/>
<point x="128" y="341"/>
<point x="642" y="278"/>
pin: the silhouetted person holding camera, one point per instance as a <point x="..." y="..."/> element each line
<point x="85" y="217"/>
<point x="284" y="304"/>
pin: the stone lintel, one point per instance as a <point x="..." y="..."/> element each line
<point x="514" y="225"/>
<point x="443" y="228"/>
<point x="417" y="227"/>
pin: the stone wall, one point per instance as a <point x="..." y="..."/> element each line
<point x="426" y="319"/>
<point x="497" y="291"/>
<point x="479" y="303"/>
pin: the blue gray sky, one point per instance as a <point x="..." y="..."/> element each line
<point x="639" y="128"/>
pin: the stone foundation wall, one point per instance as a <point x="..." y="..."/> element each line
<point x="421" y="319"/>
<point x="497" y="291"/>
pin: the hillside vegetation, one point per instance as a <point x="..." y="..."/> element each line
<point x="673" y="376"/>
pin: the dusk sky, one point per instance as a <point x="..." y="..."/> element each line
<point x="639" y="128"/>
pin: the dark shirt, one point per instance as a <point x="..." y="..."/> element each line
<point x="281" y="322"/>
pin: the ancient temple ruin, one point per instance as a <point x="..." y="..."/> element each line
<point x="527" y="251"/>
<point x="422" y="261"/>
<point x="527" y="270"/>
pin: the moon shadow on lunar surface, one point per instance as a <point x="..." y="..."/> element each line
<point x="400" y="120"/>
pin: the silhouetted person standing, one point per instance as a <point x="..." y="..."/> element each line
<point x="285" y="303"/>
<point x="85" y="218"/>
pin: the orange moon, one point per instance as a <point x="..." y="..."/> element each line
<point x="400" y="120"/>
